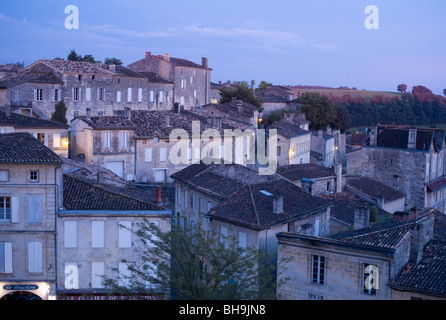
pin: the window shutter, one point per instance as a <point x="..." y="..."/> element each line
<point x="97" y="234"/>
<point x="5" y="257"/>
<point x="124" y="234"/>
<point x="118" y="96"/>
<point x="140" y="95"/>
<point x="59" y="95"/>
<point x="97" y="273"/>
<point x="129" y="95"/>
<point x="161" y="96"/>
<point x="56" y="140"/>
<point x="35" y="94"/>
<point x="53" y="96"/>
<point x="151" y="96"/>
<point x="46" y="139"/>
<point x="35" y="257"/>
<point x="70" y="234"/>
<point x="163" y="154"/>
<point x="148" y="154"/>
<point x="242" y="239"/>
<point x="88" y="94"/>
<point x="15" y="209"/>
<point x="34" y="209"/>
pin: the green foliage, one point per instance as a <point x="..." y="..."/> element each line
<point x="318" y="109"/>
<point x="60" y="112"/>
<point x="264" y="84"/>
<point x="17" y="64"/>
<point x="275" y="116"/>
<point x="189" y="263"/>
<point x="241" y="92"/>
<point x="115" y="61"/>
<point x="73" y="56"/>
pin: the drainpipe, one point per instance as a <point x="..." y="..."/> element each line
<point x="56" y="188"/>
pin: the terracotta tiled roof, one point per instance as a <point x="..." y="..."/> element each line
<point x="288" y="129"/>
<point x="372" y="188"/>
<point x="83" y="194"/>
<point x="67" y="66"/>
<point x="297" y="172"/>
<point x="155" y="78"/>
<point x="30" y="76"/>
<point x="427" y="277"/>
<point x="21" y="121"/>
<point x="23" y="148"/>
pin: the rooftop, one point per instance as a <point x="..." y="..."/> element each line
<point x="23" y="148"/>
<point x="297" y="172"/>
<point x="21" y="121"/>
<point x="364" y="186"/>
<point x="288" y="129"/>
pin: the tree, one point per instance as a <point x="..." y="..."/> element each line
<point x="402" y="87"/>
<point x="17" y="64"/>
<point x="241" y="92"/>
<point x="115" y="61"/>
<point x="318" y="109"/>
<point x="60" y="111"/>
<point x="342" y="120"/>
<point x="88" y="58"/>
<point x="194" y="265"/>
<point x="264" y="85"/>
<point x="73" y="56"/>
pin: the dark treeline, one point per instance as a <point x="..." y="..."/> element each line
<point x="421" y="107"/>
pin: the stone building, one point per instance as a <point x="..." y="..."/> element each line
<point x="30" y="193"/>
<point x="236" y="201"/>
<point x="192" y="81"/>
<point x="409" y="160"/>
<point x="96" y="232"/>
<point x="84" y="88"/>
<point x="51" y="133"/>
<point x="136" y="145"/>
<point x="293" y="143"/>
<point x="360" y="264"/>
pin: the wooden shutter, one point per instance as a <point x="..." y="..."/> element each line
<point x="35" y="257"/>
<point x="5" y="257"/>
<point x="15" y="209"/>
<point x="124" y="234"/>
<point x="35" y="209"/>
<point x="97" y="234"/>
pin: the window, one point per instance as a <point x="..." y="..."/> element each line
<point x="38" y="94"/>
<point x="195" y="93"/>
<point x="118" y="96"/>
<point x="160" y="97"/>
<point x="151" y="96"/>
<point x="315" y="297"/>
<point x="318" y="273"/>
<point x="125" y="234"/>
<point x="35" y="257"/>
<point x="4" y="175"/>
<point x="5" y="257"/>
<point x="185" y="198"/>
<point x="224" y="235"/>
<point x="70" y="234"/>
<point x="97" y="274"/>
<point x="88" y="94"/>
<point x="124" y="274"/>
<point x="370" y="276"/>
<point x="140" y="95"/>
<point x="209" y="206"/>
<point x="106" y="139"/>
<point x="97" y="234"/>
<point x="182" y="100"/>
<point x="124" y="139"/>
<point x="56" y="96"/>
<point x="148" y="155"/>
<point x="129" y="95"/>
<point x="5" y="209"/>
<point x="101" y="94"/>
<point x="163" y="154"/>
<point x="75" y="94"/>
<point x="35" y="209"/>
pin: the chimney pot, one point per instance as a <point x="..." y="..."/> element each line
<point x="361" y="217"/>
<point x="148" y="54"/>
<point x="158" y="195"/>
<point x="278" y="204"/>
<point x="166" y="57"/>
<point x="204" y="62"/>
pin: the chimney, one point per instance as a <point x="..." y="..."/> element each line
<point x="416" y="243"/>
<point x="101" y="177"/>
<point x="412" y="139"/>
<point x="112" y="67"/>
<point x="158" y="195"/>
<point x="307" y="186"/>
<point x="338" y="172"/>
<point x="361" y="217"/>
<point x="204" y="62"/>
<point x="380" y="201"/>
<point x="278" y="204"/>
<point x="88" y="113"/>
<point x="128" y="113"/>
<point x="373" y="136"/>
<point x="166" y="57"/>
<point x="148" y="54"/>
<point x="412" y="214"/>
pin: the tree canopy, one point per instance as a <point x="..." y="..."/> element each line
<point x="60" y="112"/>
<point x="318" y="109"/>
<point x="241" y="92"/>
<point x="115" y="61"/>
<point x="73" y="56"/>
<point x="189" y="263"/>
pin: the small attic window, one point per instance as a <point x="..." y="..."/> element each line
<point x="79" y="77"/>
<point x="92" y="77"/>
<point x="266" y="193"/>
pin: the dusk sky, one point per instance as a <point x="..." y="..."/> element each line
<point x="318" y="42"/>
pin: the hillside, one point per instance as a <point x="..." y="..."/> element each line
<point x="297" y="92"/>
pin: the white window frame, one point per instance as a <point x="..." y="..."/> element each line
<point x="318" y="267"/>
<point x="98" y="234"/>
<point x="38" y="94"/>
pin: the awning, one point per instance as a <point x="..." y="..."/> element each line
<point x="437" y="185"/>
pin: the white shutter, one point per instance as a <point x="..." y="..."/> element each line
<point x="56" y="140"/>
<point x="5" y="257"/>
<point x="88" y="94"/>
<point x="79" y="94"/>
<point x="242" y="239"/>
<point x="160" y="175"/>
<point x="129" y="95"/>
<point x="97" y="234"/>
<point x="46" y="139"/>
<point x="161" y="96"/>
<point x="151" y="96"/>
<point x="35" y="257"/>
<point x="53" y="95"/>
<point x="163" y="154"/>
<point x="124" y="234"/>
<point x="124" y="274"/>
<point x="59" y="95"/>
<point x="34" y="209"/>
<point x="148" y="154"/>
<point x="118" y="96"/>
<point x="15" y="209"/>
<point x="35" y="94"/>
<point x="70" y="234"/>
<point x="97" y="273"/>
<point x="140" y="95"/>
<point x="123" y="139"/>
